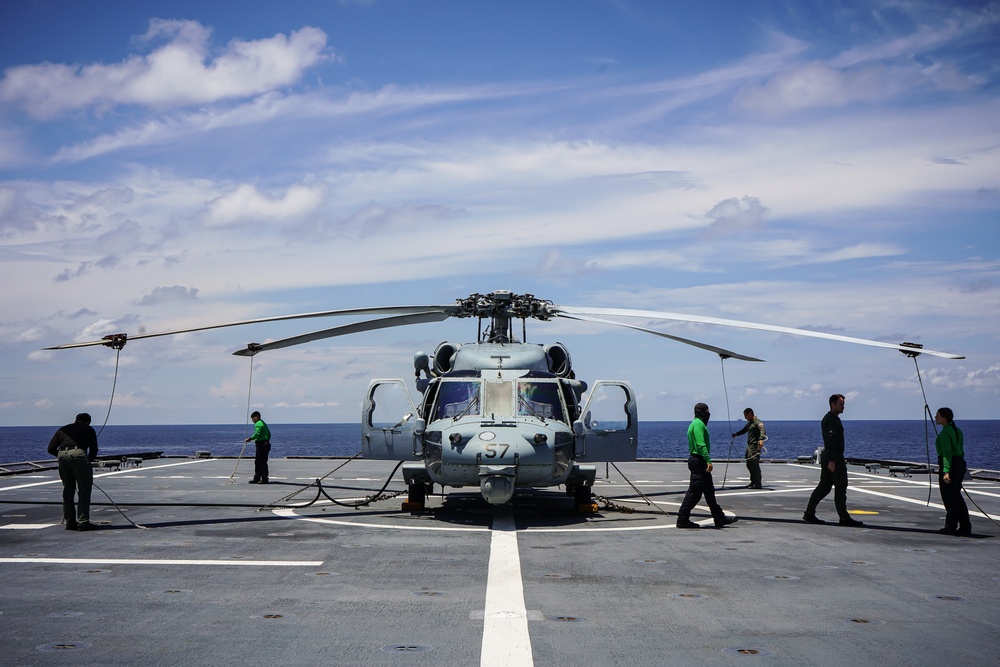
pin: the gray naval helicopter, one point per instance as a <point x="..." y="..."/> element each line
<point x="500" y="413"/>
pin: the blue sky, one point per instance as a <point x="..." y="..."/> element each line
<point x="832" y="166"/>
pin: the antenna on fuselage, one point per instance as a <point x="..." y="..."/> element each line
<point x="499" y="358"/>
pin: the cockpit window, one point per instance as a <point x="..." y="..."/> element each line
<point x="499" y="398"/>
<point x="539" y="399"/>
<point x="457" y="399"/>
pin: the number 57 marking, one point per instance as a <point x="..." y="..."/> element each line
<point x="491" y="450"/>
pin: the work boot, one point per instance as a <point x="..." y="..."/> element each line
<point x="686" y="523"/>
<point x="852" y="523"/>
<point x="812" y="518"/>
<point x="726" y="521"/>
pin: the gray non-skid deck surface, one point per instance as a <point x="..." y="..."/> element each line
<point x="213" y="581"/>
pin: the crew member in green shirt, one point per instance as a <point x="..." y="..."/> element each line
<point x="700" y="465"/>
<point x="950" y="446"/>
<point x="262" y="438"/>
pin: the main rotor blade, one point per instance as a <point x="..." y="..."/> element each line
<point x="711" y="348"/>
<point x="680" y="317"/>
<point x="377" y="310"/>
<point x="343" y="330"/>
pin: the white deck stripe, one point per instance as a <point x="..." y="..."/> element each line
<point x="160" y="561"/>
<point x="127" y="471"/>
<point x="290" y="514"/>
<point x="915" y="501"/>
<point x="505" y="627"/>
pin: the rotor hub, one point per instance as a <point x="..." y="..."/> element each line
<point x="503" y="304"/>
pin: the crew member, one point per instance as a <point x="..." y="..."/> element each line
<point x="262" y="439"/>
<point x="756" y="435"/>
<point x="75" y="446"/>
<point x="700" y="465"/>
<point x="950" y="446"/>
<point x="832" y="467"/>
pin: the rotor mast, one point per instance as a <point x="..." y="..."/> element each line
<point x="502" y="307"/>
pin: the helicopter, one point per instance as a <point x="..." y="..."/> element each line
<point x="500" y="413"/>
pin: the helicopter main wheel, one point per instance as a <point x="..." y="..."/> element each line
<point x="582" y="495"/>
<point x="417" y="494"/>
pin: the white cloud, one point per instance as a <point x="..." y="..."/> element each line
<point x="248" y="204"/>
<point x="311" y="405"/>
<point x="879" y="70"/>
<point x="43" y="356"/>
<point x="398" y="188"/>
<point x="172" y="293"/>
<point x="7" y="195"/>
<point x="959" y="24"/>
<point x="285" y="108"/>
<point x="817" y="86"/>
<point x="676" y="259"/>
<point x="777" y="251"/>
<point x="735" y="214"/>
<point x="178" y="73"/>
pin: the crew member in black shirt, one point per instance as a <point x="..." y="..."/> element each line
<point x="75" y="445"/>
<point x="832" y="467"/>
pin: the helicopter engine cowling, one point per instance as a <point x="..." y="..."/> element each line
<point x="560" y="362"/>
<point x="444" y="357"/>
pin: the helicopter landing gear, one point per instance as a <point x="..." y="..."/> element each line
<point x="417" y="494"/>
<point x="583" y="497"/>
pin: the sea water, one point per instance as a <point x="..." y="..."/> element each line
<point x="882" y="440"/>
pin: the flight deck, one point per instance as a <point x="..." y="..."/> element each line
<point x="195" y="566"/>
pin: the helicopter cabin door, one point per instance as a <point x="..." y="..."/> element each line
<point x="609" y="429"/>
<point x="388" y="418"/>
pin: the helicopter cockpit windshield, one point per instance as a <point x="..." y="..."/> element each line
<point x="539" y="399"/>
<point x="457" y="399"/>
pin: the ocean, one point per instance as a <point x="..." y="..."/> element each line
<point x="884" y="440"/>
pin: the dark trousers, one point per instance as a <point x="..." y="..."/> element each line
<point x="701" y="485"/>
<point x="77" y="477"/>
<point x="836" y="480"/>
<point x="753" y="465"/>
<point x="956" y="511"/>
<point x="260" y="461"/>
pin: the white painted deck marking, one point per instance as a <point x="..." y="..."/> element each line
<point x="915" y="501"/>
<point x="290" y="514"/>
<point x="161" y="561"/>
<point x="128" y="471"/>
<point x="667" y="525"/>
<point x="505" y="625"/>
<point x="968" y="485"/>
<point x="27" y="526"/>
